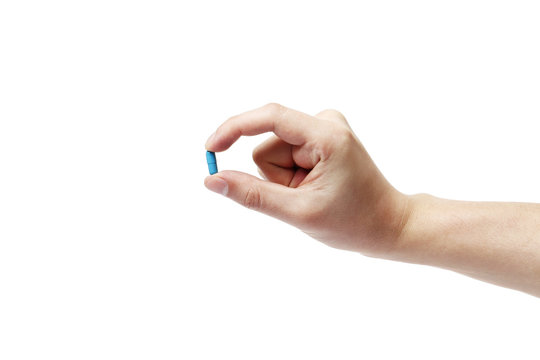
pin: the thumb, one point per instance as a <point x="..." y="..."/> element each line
<point x="273" y="199"/>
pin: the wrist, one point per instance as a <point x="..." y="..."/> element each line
<point x="408" y="245"/>
<point x="392" y="216"/>
<point x="423" y="237"/>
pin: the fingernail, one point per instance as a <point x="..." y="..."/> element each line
<point x="210" y="139"/>
<point x="217" y="184"/>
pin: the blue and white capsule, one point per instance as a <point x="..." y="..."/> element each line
<point x="212" y="163"/>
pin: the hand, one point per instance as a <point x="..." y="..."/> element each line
<point x="319" y="178"/>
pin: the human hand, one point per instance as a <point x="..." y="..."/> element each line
<point x="318" y="177"/>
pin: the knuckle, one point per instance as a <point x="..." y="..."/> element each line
<point x="252" y="199"/>
<point x="343" y="136"/>
<point x="337" y="138"/>
<point x="334" y="113"/>
<point x="274" y="108"/>
<point x="346" y="135"/>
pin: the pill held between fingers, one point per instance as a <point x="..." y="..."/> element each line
<point x="212" y="164"/>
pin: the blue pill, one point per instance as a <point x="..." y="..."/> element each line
<point x="211" y="160"/>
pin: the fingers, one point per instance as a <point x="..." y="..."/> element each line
<point x="298" y="176"/>
<point x="294" y="127"/>
<point x="274" y="151"/>
<point x="275" y="161"/>
<point x="267" y="197"/>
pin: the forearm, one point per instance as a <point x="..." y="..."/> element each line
<point x="490" y="241"/>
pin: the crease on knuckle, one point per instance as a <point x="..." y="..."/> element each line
<point x="252" y="199"/>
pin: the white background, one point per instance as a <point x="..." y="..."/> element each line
<point x="111" y="247"/>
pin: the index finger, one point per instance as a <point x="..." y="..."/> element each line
<point x="294" y="127"/>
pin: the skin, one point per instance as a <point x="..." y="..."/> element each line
<point x="318" y="177"/>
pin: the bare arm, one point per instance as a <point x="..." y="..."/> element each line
<point x="490" y="241"/>
<point x="319" y="178"/>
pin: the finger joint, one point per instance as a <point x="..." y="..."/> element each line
<point x="252" y="199"/>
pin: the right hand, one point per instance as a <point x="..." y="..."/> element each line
<point x="319" y="178"/>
